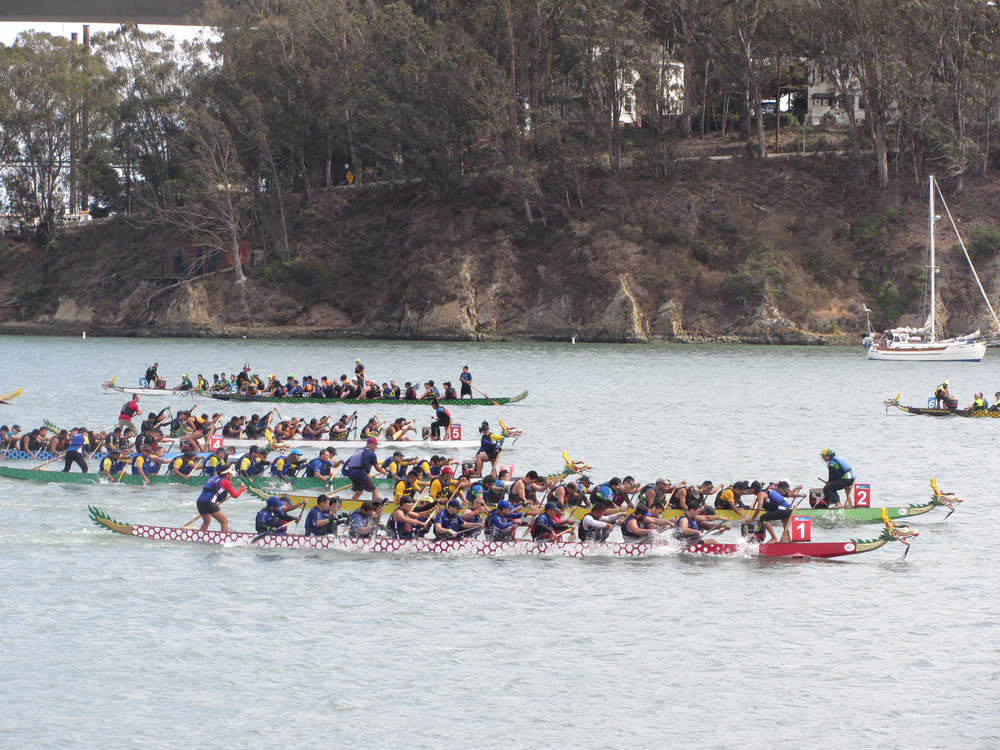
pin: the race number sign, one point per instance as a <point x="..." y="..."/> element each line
<point x="215" y="442"/>
<point x="801" y="528"/>
<point x="862" y="496"/>
<point x="455" y="431"/>
<point x="503" y="467"/>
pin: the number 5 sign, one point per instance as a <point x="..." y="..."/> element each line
<point x="862" y="496"/>
<point x="801" y="528"/>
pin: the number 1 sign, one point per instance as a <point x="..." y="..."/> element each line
<point x="801" y="528"/>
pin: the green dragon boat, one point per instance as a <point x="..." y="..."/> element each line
<point x="263" y="483"/>
<point x="498" y="401"/>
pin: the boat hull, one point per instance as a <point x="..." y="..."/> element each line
<point x="484" y="547"/>
<point x="959" y="351"/>
<point x="922" y="411"/>
<point x="263" y="483"/>
<point x="313" y="401"/>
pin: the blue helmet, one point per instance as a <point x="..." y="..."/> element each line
<point x="273" y="502"/>
<point x="504" y="505"/>
<point x="604" y="493"/>
<point x="551" y="505"/>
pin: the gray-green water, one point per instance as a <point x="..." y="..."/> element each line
<point x="118" y="642"/>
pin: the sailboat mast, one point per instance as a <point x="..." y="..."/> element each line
<point x="933" y="268"/>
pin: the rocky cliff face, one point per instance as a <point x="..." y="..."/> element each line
<point x="759" y="253"/>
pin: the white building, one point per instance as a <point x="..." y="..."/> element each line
<point x="826" y="101"/>
<point x="669" y="77"/>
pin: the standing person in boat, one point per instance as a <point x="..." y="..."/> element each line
<point x="75" y="449"/>
<point x="490" y="448"/>
<point x="129" y="410"/>
<point x="442" y="419"/>
<point x="153" y="379"/>
<point x="943" y="396"/>
<point x="213" y="494"/>
<point x="598" y="524"/>
<point x="358" y="466"/>
<point x="841" y="477"/>
<point x="466" y="380"/>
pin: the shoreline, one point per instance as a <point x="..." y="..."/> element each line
<point x="787" y="338"/>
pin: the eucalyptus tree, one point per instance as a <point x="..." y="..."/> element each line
<point x="45" y="82"/>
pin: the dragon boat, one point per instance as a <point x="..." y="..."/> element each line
<point x="274" y="484"/>
<point x="934" y="412"/>
<point x="854" y="515"/>
<point x="483" y="547"/>
<point x="312" y="400"/>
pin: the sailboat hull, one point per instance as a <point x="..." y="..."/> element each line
<point x="939" y="351"/>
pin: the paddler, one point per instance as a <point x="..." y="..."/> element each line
<point x="251" y="463"/>
<point x="490" y="448"/>
<point x="656" y="492"/>
<point x="272" y="518"/>
<point x="640" y="525"/>
<point x="502" y="522"/>
<point x="358" y="466"/>
<point x="549" y="525"/>
<point x="729" y="497"/>
<point x="287" y="466"/>
<point x="213" y="494"/>
<point x="112" y="467"/>
<point x="995" y="406"/>
<point x="184" y="464"/>
<point x="978" y="403"/>
<point x="145" y="464"/>
<point x="774" y="502"/>
<point x="185" y="384"/>
<point x="319" y="520"/>
<point x="841" y="477"/>
<point x="598" y="524"/>
<point x="404" y="520"/>
<point x="217" y="461"/>
<point x="686" y="527"/>
<point x="448" y="522"/>
<point x="363" y="523"/>
<point x="323" y="465"/>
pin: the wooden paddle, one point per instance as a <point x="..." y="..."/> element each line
<point x="61" y="455"/>
<point x="495" y="402"/>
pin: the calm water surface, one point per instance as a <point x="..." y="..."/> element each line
<point x="114" y="642"/>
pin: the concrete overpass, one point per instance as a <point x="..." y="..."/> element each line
<point x="161" y="12"/>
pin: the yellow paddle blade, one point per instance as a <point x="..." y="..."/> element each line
<point x="12" y="395"/>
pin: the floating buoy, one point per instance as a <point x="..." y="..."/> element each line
<point x="573" y="340"/>
<point x="84" y="335"/>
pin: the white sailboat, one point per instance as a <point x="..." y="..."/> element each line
<point x="915" y="344"/>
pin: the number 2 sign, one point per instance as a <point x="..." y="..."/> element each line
<point x="862" y="496"/>
<point x="801" y="528"/>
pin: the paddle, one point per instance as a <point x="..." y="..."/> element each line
<point x="61" y="455"/>
<point x="495" y="402"/>
<point x="277" y="530"/>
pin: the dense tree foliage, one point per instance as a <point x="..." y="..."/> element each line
<point x="291" y="95"/>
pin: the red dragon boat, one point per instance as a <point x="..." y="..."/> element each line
<point x="471" y="546"/>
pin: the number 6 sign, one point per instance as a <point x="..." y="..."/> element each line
<point x="862" y="496"/>
<point x="801" y="528"/>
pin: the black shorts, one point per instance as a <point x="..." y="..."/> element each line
<point x="490" y="455"/>
<point x="776" y="515"/>
<point x="362" y="482"/>
<point x="207" y="507"/>
<point x="466" y="389"/>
